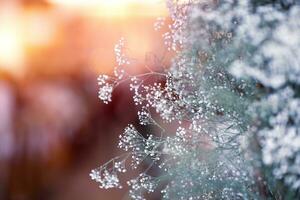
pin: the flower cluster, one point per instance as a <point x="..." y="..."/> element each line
<point x="140" y="147"/>
<point x="145" y="117"/>
<point x="160" y="21"/>
<point x="175" y="37"/>
<point x="107" y="83"/>
<point x="271" y="35"/>
<point x="143" y="183"/>
<point x="235" y="76"/>
<point x="107" y="175"/>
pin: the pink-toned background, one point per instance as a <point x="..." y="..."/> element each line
<point x="53" y="129"/>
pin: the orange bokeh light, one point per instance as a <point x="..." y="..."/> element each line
<point x="30" y="35"/>
<point x="115" y="7"/>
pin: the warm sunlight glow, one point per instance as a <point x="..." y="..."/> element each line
<point x="11" y="43"/>
<point x="10" y="48"/>
<point x="93" y="2"/>
<point x="21" y="32"/>
<point x="115" y="7"/>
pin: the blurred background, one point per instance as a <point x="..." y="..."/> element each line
<point x="53" y="128"/>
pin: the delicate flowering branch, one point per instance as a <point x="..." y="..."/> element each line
<point x="234" y="77"/>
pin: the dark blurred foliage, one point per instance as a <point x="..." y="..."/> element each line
<point x="47" y="125"/>
<point x="285" y="4"/>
